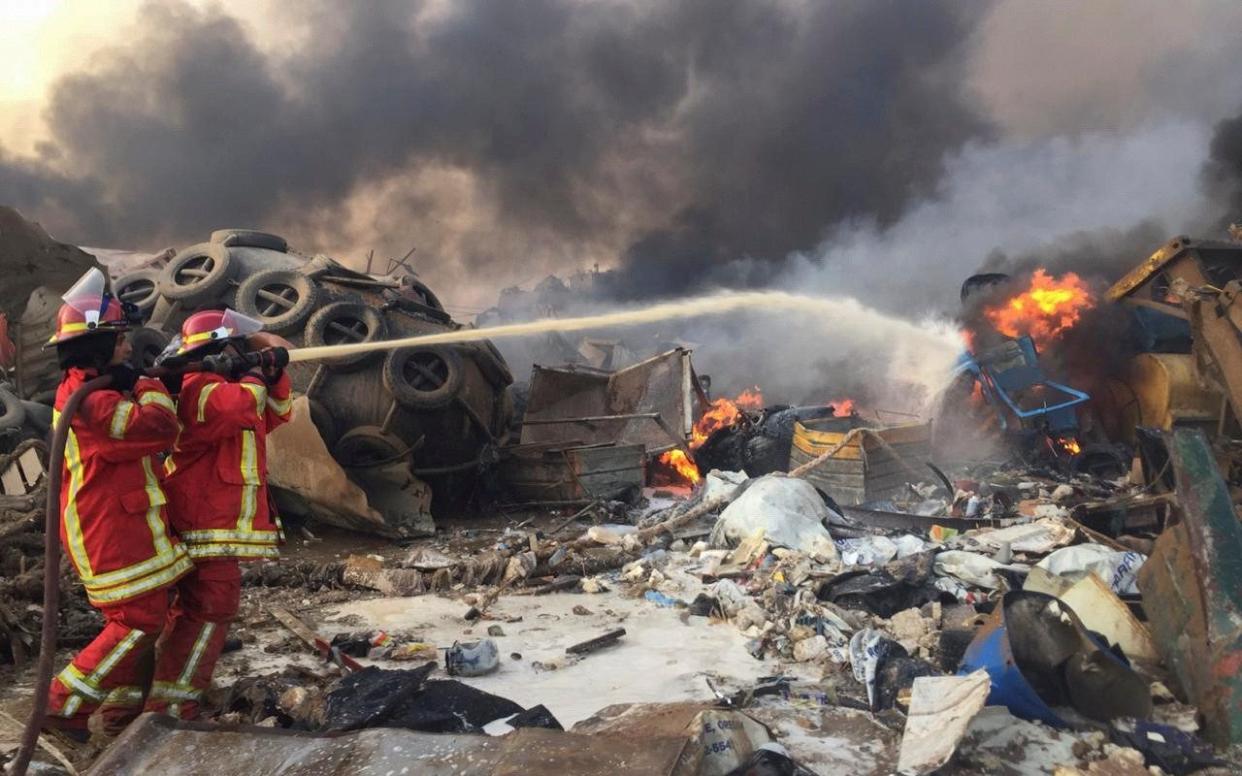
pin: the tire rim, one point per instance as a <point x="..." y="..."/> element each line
<point x="195" y="270"/>
<point x="276" y="299"/>
<point x="345" y="329"/>
<point x="138" y="291"/>
<point x="425" y="371"/>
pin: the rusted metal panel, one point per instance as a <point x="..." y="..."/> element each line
<point x="1140" y="274"/>
<point x="866" y="469"/>
<point x="540" y="473"/>
<point x="1192" y="589"/>
<point x="649" y="403"/>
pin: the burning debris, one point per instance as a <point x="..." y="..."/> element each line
<point x="1044" y="311"/>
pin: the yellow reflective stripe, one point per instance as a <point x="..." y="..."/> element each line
<point x="155" y="499"/>
<point x="74" y="326"/>
<point x="71" y="706"/>
<point x="230" y="550"/>
<point x="196" y="654"/>
<point x="170" y="465"/>
<point x="174" y="691"/>
<point x="280" y="406"/>
<point x="250" y="459"/>
<point x="200" y="337"/>
<point x="160" y="398"/>
<point x="120" y="419"/>
<point x="226" y="535"/>
<point x="128" y="695"/>
<point x="117" y="653"/>
<point x="77" y="681"/>
<point x="135" y="571"/>
<point x="260" y="396"/>
<point x="144" y="585"/>
<point x="202" y="401"/>
<point x="73" y="523"/>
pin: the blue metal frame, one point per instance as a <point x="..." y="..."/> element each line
<point x="997" y="387"/>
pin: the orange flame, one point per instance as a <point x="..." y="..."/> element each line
<point x="724" y="412"/>
<point x="1045" y="310"/>
<point x="1070" y="445"/>
<point x="842" y="408"/>
<point x="677" y="461"/>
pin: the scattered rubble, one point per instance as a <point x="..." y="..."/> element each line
<point x="837" y="600"/>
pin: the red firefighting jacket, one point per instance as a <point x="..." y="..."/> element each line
<point x="216" y="476"/>
<point x="113" y="522"/>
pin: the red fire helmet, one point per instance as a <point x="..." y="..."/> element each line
<point x="209" y="326"/>
<point x="88" y="309"/>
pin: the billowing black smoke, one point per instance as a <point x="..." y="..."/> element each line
<point x="698" y="131"/>
<point x="1223" y="172"/>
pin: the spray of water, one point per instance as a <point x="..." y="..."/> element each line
<point x="922" y="353"/>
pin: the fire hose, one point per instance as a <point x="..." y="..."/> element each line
<point x="220" y="364"/>
<point x="819" y="307"/>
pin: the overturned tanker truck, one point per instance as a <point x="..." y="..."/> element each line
<point x="414" y="427"/>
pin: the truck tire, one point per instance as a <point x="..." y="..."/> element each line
<point x="324" y="422"/>
<point x="147" y="343"/>
<point x="141" y="289"/>
<point x="198" y="274"/>
<point x="368" y="446"/>
<point x="492" y="364"/>
<point x="12" y="413"/>
<point x="281" y="299"/>
<point x="423" y="378"/>
<point x="250" y="238"/>
<point x="341" y="323"/>
<point x="418" y="291"/>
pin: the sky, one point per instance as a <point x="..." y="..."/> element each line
<point x="879" y="149"/>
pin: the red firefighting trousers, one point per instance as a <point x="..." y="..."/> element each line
<point x="205" y="603"/>
<point x="110" y="673"/>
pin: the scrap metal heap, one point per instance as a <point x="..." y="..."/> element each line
<point x="1040" y="578"/>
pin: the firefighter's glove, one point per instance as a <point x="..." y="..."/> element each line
<point x="124" y="377"/>
<point x="273" y="359"/>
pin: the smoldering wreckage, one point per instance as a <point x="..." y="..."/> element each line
<point x="1041" y="574"/>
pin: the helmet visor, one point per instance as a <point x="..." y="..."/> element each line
<point x="239" y="325"/>
<point x="87" y="295"/>
<point x="172" y="349"/>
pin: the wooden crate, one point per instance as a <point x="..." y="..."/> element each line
<point x="863" y="470"/>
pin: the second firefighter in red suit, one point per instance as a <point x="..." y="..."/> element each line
<point x="113" y="523"/>
<point x="216" y="479"/>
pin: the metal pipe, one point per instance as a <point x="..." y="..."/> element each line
<point x="51" y="572"/>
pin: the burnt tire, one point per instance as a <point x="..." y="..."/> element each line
<point x="198" y="274"/>
<point x="12" y="412"/>
<point x="324" y="422"/>
<point x="344" y="323"/>
<point x="141" y="289"/>
<point x="493" y="365"/>
<point x="281" y="299"/>
<point x="423" y="378"/>
<point x="148" y="344"/>
<point x="368" y="446"/>
<point x="419" y="292"/>
<point x="250" y="238"/>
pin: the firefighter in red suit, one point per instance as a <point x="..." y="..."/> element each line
<point x="113" y="522"/>
<point x="217" y="485"/>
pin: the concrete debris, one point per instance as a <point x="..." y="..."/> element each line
<point x="941" y="709"/>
